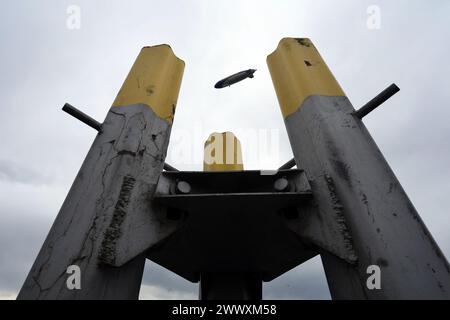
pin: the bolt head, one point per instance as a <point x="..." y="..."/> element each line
<point x="281" y="184"/>
<point x="183" y="187"/>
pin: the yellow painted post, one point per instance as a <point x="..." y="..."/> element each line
<point x="222" y="153"/>
<point x="367" y="221"/>
<point x="154" y="80"/>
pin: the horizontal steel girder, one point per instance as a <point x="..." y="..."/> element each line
<point x="233" y="222"/>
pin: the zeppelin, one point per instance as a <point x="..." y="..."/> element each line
<point x="228" y="81"/>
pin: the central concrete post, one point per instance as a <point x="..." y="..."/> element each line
<point x="223" y="153"/>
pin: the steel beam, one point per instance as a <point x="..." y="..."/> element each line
<point x="108" y="221"/>
<point x="348" y="171"/>
<point x="234" y="232"/>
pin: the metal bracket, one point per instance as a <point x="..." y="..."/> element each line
<point x="240" y="221"/>
<point x="233" y="222"/>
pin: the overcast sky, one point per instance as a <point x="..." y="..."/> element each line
<point x="45" y="64"/>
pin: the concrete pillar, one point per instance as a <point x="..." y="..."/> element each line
<point x="108" y="219"/>
<point x="378" y="221"/>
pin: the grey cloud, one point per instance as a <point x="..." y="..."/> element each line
<point x="44" y="65"/>
<point x="21" y="237"/>
<point x="15" y="173"/>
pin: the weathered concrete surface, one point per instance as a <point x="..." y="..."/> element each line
<point x="107" y="219"/>
<point x="330" y="144"/>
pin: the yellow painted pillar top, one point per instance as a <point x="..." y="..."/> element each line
<point x="298" y="71"/>
<point x="222" y="153"/>
<point x="154" y="80"/>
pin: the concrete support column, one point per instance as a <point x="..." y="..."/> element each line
<point x="355" y="186"/>
<point x="108" y="220"/>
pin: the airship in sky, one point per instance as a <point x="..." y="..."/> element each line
<point x="228" y="81"/>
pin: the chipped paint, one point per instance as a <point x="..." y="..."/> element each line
<point x="298" y="71"/>
<point x="113" y="232"/>
<point x="154" y="80"/>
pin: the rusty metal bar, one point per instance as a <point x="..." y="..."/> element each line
<point x="377" y="101"/>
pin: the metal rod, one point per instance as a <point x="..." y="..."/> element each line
<point x="96" y="125"/>
<point x="82" y="117"/>
<point x="168" y="167"/>
<point x="288" y="165"/>
<point x="377" y="101"/>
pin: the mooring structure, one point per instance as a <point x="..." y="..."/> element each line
<point x="231" y="229"/>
